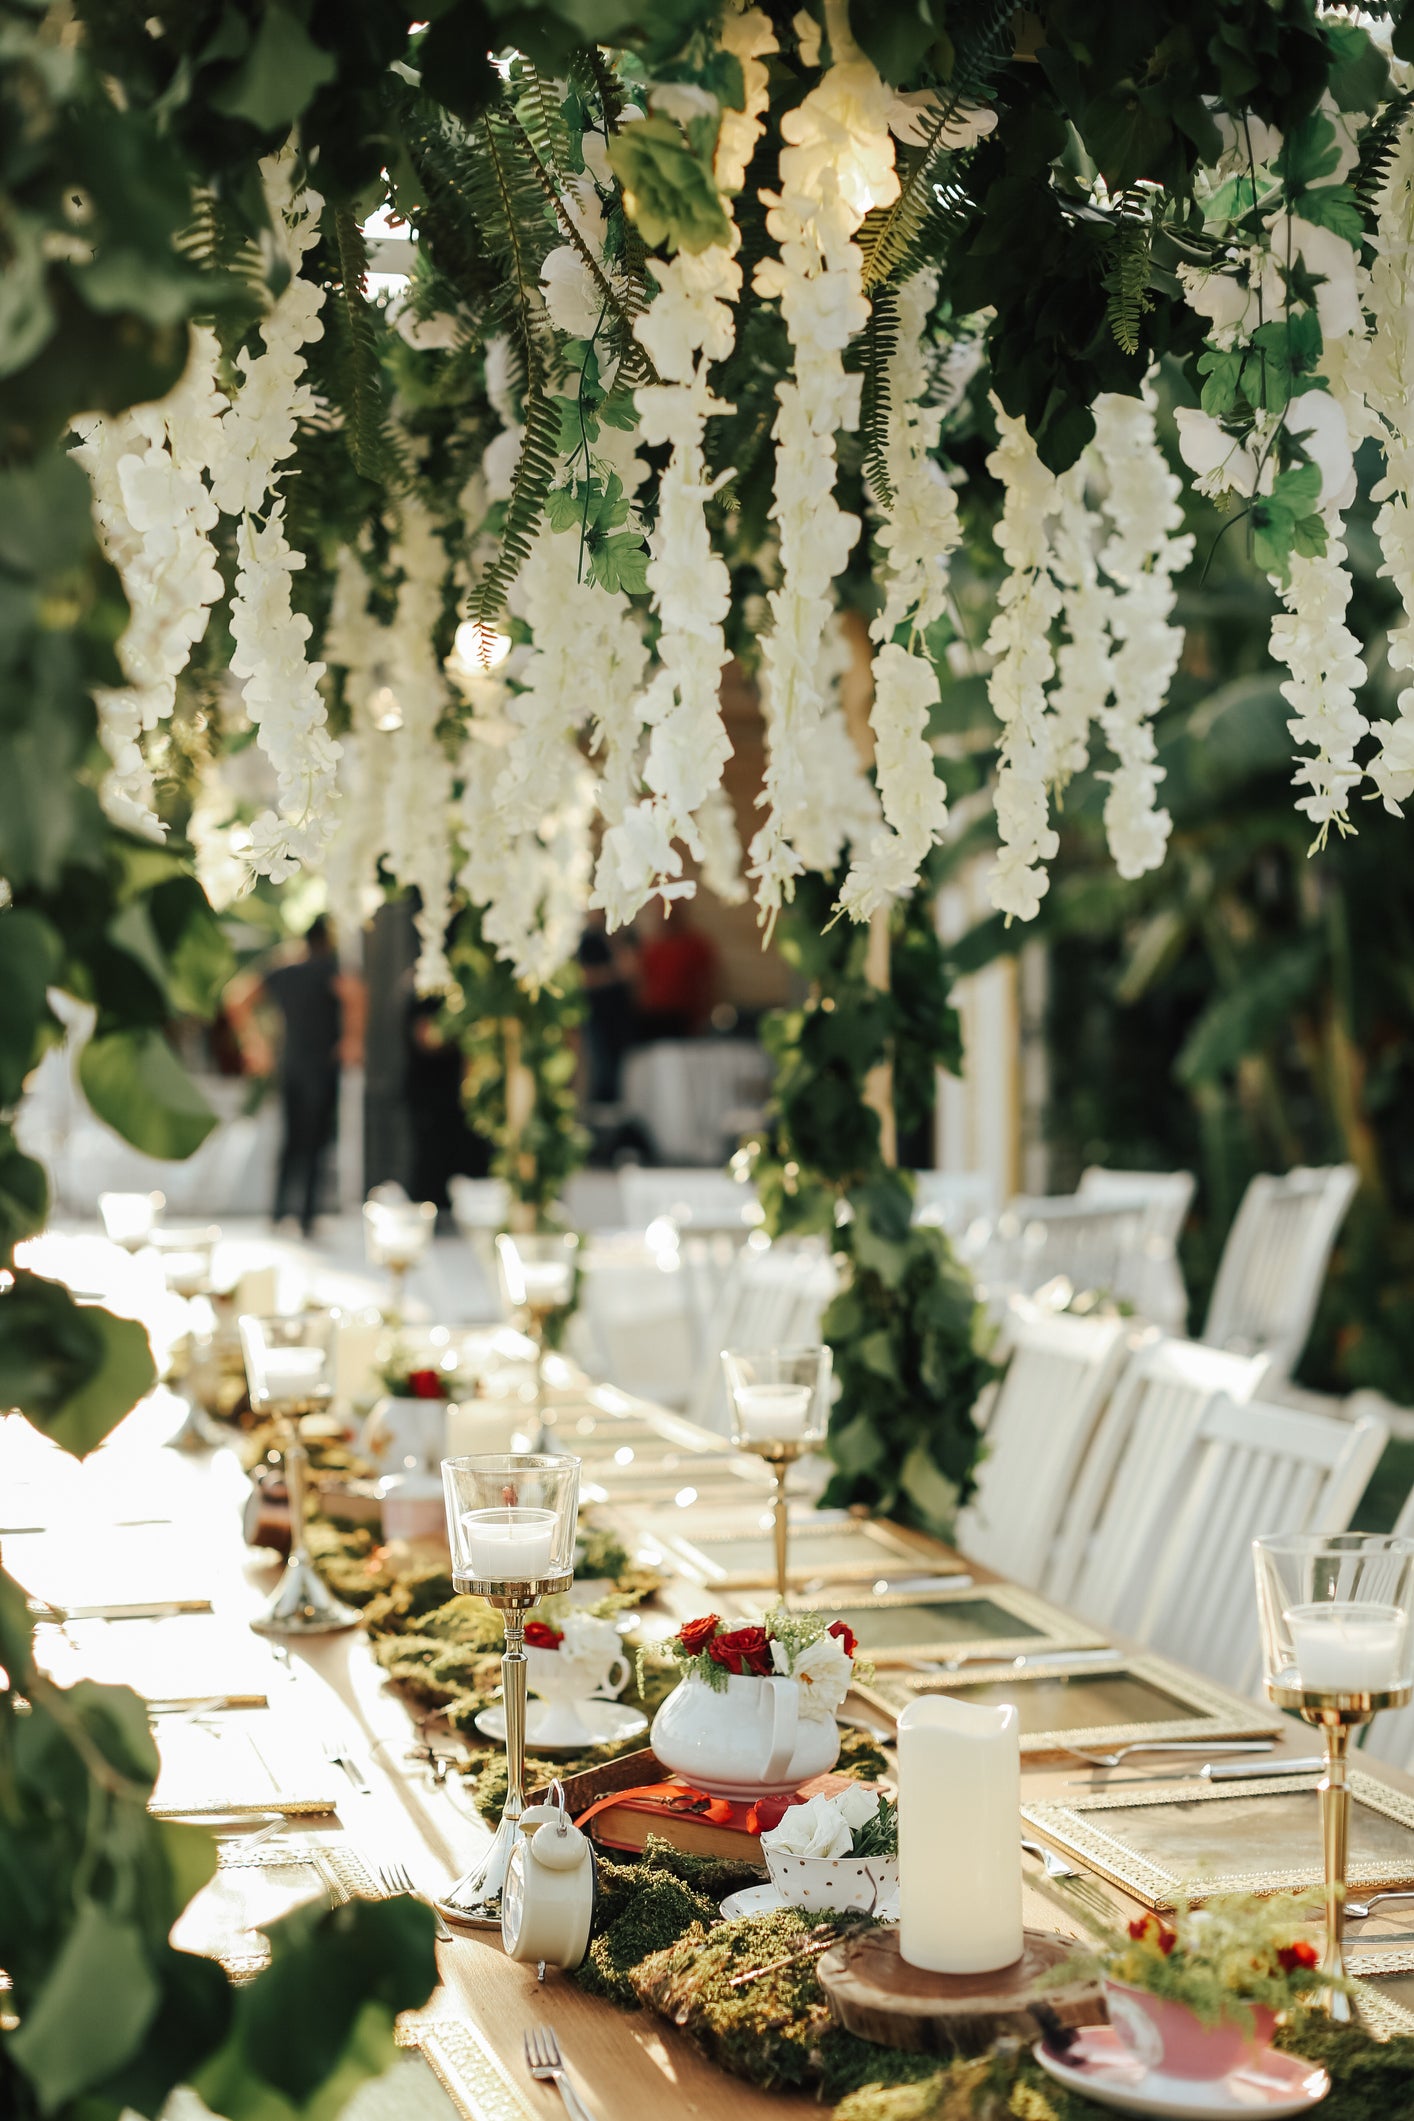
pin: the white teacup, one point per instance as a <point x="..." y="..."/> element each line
<point x="589" y="1664"/>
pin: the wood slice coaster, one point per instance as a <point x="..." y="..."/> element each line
<point x="875" y="1993"/>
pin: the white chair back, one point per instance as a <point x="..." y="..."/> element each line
<point x="701" y="1200"/>
<point x="1269" y="1278"/>
<point x="1152" y="1279"/>
<point x="1038" y="1429"/>
<point x="773" y="1298"/>
<point x="953" y="1199"/>
<point x="1141" y="1457"/>
<point x="1261" y="1468"/>
<point x="479" y="1204"/>
<point x="1039" y="1237"/>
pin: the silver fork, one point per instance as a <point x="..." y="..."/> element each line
<point x="396" y="1880"/>
<point x="1173" y="1745"/>
<point x="542" y="2057"/>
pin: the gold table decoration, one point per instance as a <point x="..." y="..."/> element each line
<point x="1193" y="1840"/>
<point x="1142" y="1700"/>
<point x="908" y="1627"/>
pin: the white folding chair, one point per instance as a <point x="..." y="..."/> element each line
<point x="773" y="1298"/>
<point x="701" y="1200"/>
<point x="1141" y="1456"/>
<point x="1038" y="1429"/>
<point x="1260" y="1468"/>
<point x="1152" y="1279"/>
<point x="1269" y="1278"/>
<point x="954" y="1200"/>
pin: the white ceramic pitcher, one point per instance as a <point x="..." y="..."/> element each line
<point x="747" y="1740"/>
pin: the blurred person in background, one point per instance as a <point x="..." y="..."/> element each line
<point x="677" y="974"/>
<point x="608" y="965"/>
<point x="321" y="1010"/>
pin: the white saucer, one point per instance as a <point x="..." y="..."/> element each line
<point x="1101" y="2068"/>
<point x="605" y="1723"/>
<point x="764" y="1899"/>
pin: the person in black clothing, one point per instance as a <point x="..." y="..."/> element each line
<point x="608" y="966"/>
<point x="321" y="1012"/>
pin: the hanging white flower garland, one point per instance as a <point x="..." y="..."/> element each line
<point x="837" y="164"/>
<point x="155" y="516"/>
<point x="280" y="686"/>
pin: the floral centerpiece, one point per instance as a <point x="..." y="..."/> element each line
<point x="404" y="1375"/>
<point x="1194" y="1993"/>
<point x="783" y="1678"/>
<point x="836" y="1852"/>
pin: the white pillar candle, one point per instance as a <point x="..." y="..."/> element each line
<point x="547" y="1283"/>
<point x="295" y="1373"/>
<point x="773" y="1413"/>
<point x="507" y="1546"/>
<point x="1349" y="1648"/>
<point x="355" y="1356"/>
<point x="959" y="1793"/>
<point x="258" y="1292"/>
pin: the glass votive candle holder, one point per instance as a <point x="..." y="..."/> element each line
<point x="511" y="1521"/>
<point x="780" y="1398"/>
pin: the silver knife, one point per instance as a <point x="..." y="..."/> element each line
<point x="157" y="1609"/>
<point x="1245" y="1770"/>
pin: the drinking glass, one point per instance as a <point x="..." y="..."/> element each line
<point x="780" y="1404"/>
<point x="290" y="1373"/>
<point x="511" y="1522"/>
<point x="1338" y="1647"/>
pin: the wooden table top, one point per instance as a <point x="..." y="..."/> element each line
<point x="628" y="2066"/>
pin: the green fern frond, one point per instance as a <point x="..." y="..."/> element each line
<point x="360" y="372"/>
<point x="534" y="473"/>
<point x="897" y="240"/>
<point x="1377" y="146"/>
<point x="1126" y="282"/>
<point x="880" y="346"/>
<point x="538" y="109"/>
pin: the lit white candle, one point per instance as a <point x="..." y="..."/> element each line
<point x="1350" y="1648"/>
<point x="547" y="1283"/>
<point x="509" y="1546"/>
<point x="773" y="1413"/>
<point x="959" y="1793"/>
<point x="295" y="1374"/>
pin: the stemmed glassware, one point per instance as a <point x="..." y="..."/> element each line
<point x="537" y="1279"/>
<point x="511" y="1521"/>
<point x="1338" y="1646"/>
<point x="184" y="1252"/>
<point x="396" y="1235"/>
<point x="129" y="1219"/>
<point x="290" y="1373"/>
<point x="780" y="1402"/>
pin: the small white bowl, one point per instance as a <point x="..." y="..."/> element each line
<point x="838" y="1884"/>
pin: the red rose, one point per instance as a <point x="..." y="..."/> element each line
<point x="1147" y="1929"/>
<point x="745" y="1651"/>
<point x="845" y="1636"/>
<point x="539" y="1635"/>
<point x="425" y="1384"/>
<point x="694" y="1635"/>
<point x="1302" y="1953"/>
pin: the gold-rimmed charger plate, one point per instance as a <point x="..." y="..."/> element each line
<point x="1125" y="1701"/>
<point x="904" y="1627"/>
<point x="1189" y="1841"/>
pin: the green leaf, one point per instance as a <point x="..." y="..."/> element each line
<point x="1241" y="1020"/>
<point x="279" y="74"/>
<point x="1334" y="206"/>
<point x="1360" y="78"/>
<point x="92" y="2011"/>
<point x="620" y="563"/>
<point x="1222" y="369"/>
<point x="30" y="956"/>
<point x="135" y="1082"/>
<point x="1309" y="152"/>
<point x="24" y="1196"/>
<point x="897" y="38"/>
<point x="73" y="1369"/>
<point x="669" y="193"/>
<point x="934" y="1497"/>
<point x="454" y="61"/>
<point x="1298" y="488"/>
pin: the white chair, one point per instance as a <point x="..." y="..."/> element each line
<point x="774" y="1297"/>
<point x="954" y="1200"/>
<point x="1039" y="1237"/>
<point x="701" y="1200"/>
<point x="480" y="1205"/>
<point x="1038" y="1429"/>
<point x="1260" y="1468"/>
<point x="1274" y="1262"/>
<point x="1152" y="1280"/>
<point x="1141" y="1457"/>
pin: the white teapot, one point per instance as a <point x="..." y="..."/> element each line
<point x="746" y="1740"/>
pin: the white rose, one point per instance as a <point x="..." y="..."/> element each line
<point x="858" y="1805"/>
<point x="822" y="1671"/>
<point x="814" y="1828"/>
<point x="573" y="300"/>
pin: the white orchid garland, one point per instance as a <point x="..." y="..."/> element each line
<point x="154" y="516"/>
<point x="280" y="686"/>
<point x="837" y="164"/>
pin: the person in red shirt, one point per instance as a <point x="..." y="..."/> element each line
<point x="677" y="975"/>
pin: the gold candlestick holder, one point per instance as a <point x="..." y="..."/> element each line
<point x="475" y="1899"/>
<point x="780" y="1402"/>
<point x="1336" y="1612"/>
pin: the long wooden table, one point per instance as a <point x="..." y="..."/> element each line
<point x="629" y="2067"/>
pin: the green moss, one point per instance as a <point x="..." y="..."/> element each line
<point x="861" y="1756"/>
<point x="662" y="1912"/>
<point x="768" y="2029"/>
